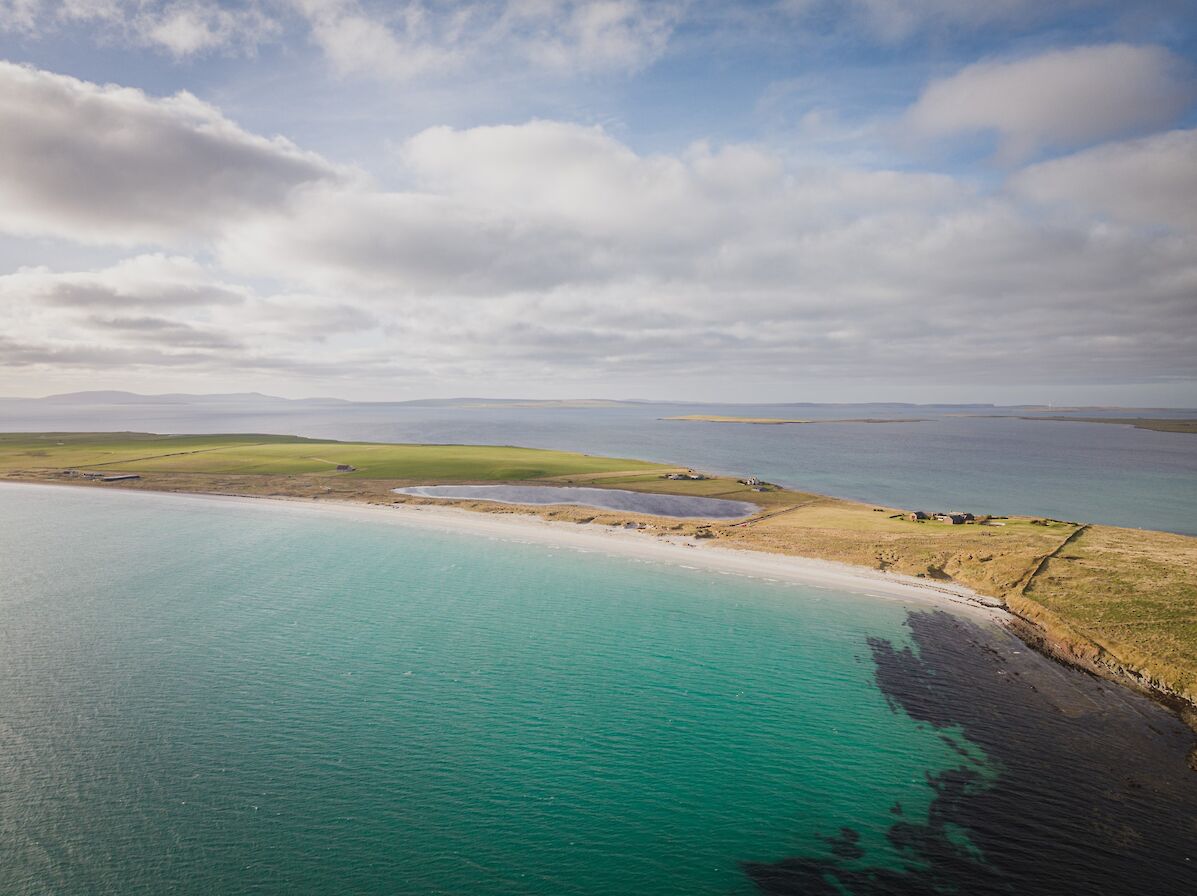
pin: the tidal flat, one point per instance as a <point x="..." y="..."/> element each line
<point x="677" y="506"/>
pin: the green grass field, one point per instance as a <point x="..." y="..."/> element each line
<point x="287" y="455"/>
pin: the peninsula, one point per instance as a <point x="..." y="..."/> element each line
<point x="1156" y="424"/>
<point x="1119" y="602"/>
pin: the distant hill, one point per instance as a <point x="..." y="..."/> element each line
<point x="250" y="399"/>
<point x="248" y="402"/>
<point x="116" y="397"/>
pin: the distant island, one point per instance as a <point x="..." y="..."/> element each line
<point x="775" y="421"/>
<point x="1116" y="601"/>
<point x="1156" y="424"/>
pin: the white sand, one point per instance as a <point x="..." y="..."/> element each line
<point x="674" y="550"/>
<point x="639" y="545"/>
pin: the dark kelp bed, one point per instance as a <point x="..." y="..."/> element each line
<point x="1096" y="797"/>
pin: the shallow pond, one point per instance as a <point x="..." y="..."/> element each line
<point x="606" y="498"/>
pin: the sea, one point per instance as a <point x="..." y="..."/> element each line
<point x="213" y="696"/>
<point x="977" y="458"/>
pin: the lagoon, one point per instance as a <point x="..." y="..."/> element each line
<point x="680" y="506"/>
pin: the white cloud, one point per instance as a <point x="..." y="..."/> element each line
<point x="357" y="43"/>
<point x="1148" y="182"/>
<point x="562" y="35"/>
<point x="182" y="28"/>
<point x="401" y="243"/>
<point x="553" y="250"/>
<point x="580" y="178"/>
<point x="504" y="209"/>
<point x="389" y="41"/>
<point x="1058" y="99"/>
<point x="19" y="15"/>
<point x="106" y="164"/>
<point x="897" y="20"/>
<point x="144" y="281"/>
<point x="159" y="312"/>
<point x="901" y="21"/>
<point x="188" y="27"/>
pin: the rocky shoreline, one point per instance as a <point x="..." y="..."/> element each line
<point x="1091" y="658"/>
<point x="1033" y="819"/>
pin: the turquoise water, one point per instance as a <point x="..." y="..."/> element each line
<point x="206" y="697"/>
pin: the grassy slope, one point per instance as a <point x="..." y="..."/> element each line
<point x="287" y="455"/>
<point x="1101" y="593"/>
<point x="1132" y="593"/>
<point x="1129" y="593"/>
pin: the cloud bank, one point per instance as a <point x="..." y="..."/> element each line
<point x="376" y="39"/>
<point x="107" y="164"/>
<point x="1059" y="99"/>
<point x="556" y="252"/>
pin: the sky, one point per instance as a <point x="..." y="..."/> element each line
<point x="785" y="200"/>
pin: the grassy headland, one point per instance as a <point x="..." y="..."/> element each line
<point x="1122" y="602"/>
<point x="270" y="455"/>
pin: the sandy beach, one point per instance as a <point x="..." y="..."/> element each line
<point x="635" y="544"/>
<point x="647" y="547"/>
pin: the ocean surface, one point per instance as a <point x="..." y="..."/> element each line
<point x="209" y="696"/>
<point x="977" y="458"/>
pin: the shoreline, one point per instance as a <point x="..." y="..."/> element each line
<point x="523" y="525"/>
<point x="672" y="550"/>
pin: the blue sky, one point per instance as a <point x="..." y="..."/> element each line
<point x="753" y="201"/>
